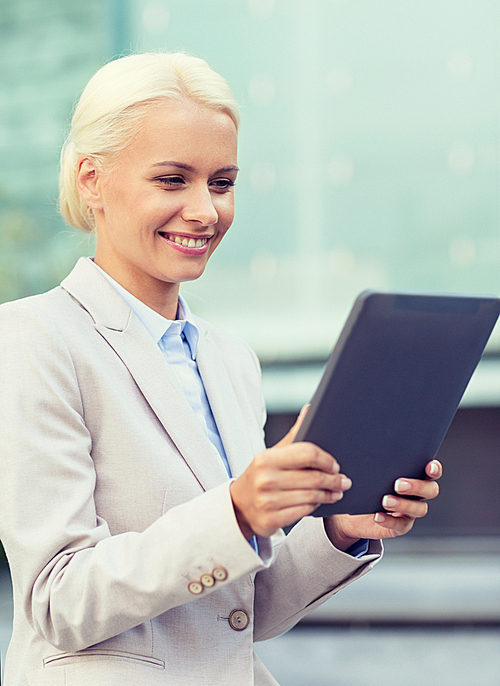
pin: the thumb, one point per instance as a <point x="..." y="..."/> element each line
<point x="290" y="436"/>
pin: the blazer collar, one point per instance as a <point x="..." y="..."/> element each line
<point x="96" y="295"/>
<point x="117" y="324"/>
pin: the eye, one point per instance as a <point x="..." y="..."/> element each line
<point x="173" y="181"/>
<point x="221" y="185"/>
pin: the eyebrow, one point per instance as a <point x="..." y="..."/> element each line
<point x="189" y="168"/>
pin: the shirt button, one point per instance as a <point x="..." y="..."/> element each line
<point x="195" y="587"/>
<point x="219" y="573"/>
<point x="238" y="620"/>
<point x="207" y="580"/>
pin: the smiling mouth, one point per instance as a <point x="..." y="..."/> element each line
<point x="184" y="241"/>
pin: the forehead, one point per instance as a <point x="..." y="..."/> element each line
<point x="184" y="132"/>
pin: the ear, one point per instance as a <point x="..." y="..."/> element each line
<point x="88" y="181"/>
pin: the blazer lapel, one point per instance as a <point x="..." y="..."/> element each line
<point x="225" y="406"/>
<point x="118" y="325"/>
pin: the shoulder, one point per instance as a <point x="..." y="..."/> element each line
<point x="35" y="356"/>
<point x="45" y="330"/>
<point x="22" y="314"/>
<point x="38" y="314"/>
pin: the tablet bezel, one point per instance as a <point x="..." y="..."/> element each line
<point x="421" y="341"/>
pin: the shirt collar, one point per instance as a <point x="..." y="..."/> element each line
<point x="154" y="322"/>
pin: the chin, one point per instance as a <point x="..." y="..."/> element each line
<point x="186" y="278"/>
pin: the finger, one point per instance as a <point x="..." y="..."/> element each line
<point x="298" y="456"/>
<point x="290" y="436"/>
<point x="283" y="518"/>
<point x="434" y="469"/>
<point x="420" y="488"/>
<point x="304" y="479"/>
<point x="397" y="525"/>
<point x="283" y="500"/>
<point x="404" y="506"/>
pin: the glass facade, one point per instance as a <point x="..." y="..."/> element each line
<point x="369" y="149"/>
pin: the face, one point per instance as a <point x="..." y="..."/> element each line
<point x="165" y="205"/>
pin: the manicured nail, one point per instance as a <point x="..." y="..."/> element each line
<point x="345" y="483"/>
<point x="402" y="486"/>
<point x="389" y="501"/>
<point x="433" y="469"/>
<point x="380" y="518"/>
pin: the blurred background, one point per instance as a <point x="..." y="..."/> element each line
<point x="370" y="158"/>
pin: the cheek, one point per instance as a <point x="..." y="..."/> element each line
<point x="222" y="228"/>
<point x="225" y="210"/>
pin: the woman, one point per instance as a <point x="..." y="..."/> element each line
<point x="144" y="537"/>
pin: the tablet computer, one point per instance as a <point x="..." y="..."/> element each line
<point x="391" y="388"/>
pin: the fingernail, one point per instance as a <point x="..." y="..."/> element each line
<point x="345" y="483"/>
<point x="335" y="467"/>
<point x="402" y="486"/>
<point x="433" y="469"/>
<point x="335" y="496"/>
<point x="380" y="518"/>
<point x="389" y="501"/>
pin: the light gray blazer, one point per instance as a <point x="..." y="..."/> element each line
<point x="112" y="502"/>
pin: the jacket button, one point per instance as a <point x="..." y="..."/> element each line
<point x="195" y="587"/>
<point x="219" y="573"/>
<point x="238" y="620"/>
<point x="207" y="580"/>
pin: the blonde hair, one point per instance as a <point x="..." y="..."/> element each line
<point x="112" y="104"/>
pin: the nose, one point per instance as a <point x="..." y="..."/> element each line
<point x="200" y="207"/>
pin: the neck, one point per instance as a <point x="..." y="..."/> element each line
<point x="160" y="296"/>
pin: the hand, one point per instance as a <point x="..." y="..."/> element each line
<point x="285" y="483"/>
<point x="344" y="530"/>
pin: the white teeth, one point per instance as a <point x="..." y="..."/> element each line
<point x="188" y="242"/>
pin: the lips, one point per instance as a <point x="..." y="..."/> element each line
<point x="185" y="241"/>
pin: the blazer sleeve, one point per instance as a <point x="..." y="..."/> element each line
<point x="78" y="584"/>
<point x="308" y="571"/>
